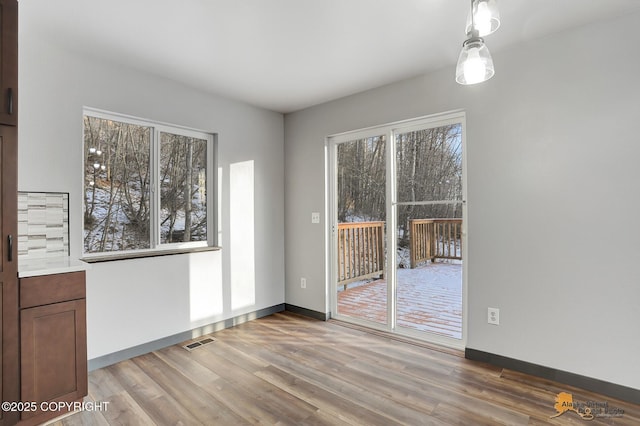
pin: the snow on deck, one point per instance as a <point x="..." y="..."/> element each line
<point x="429" y="299"/>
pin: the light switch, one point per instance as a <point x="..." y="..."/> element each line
<point x="315" y="217"/>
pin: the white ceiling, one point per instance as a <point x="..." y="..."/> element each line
<point x="286" y="55"/>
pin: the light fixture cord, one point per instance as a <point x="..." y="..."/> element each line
<point x="473" y="24"/>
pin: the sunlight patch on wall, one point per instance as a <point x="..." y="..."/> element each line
<point x="241" y="234"/>
<point x="205" y="287"/>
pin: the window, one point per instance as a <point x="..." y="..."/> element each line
<point x="147" y="186"/>
<point x="183" y="197"/>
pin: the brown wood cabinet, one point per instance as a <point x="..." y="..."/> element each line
<point x="9" y="331"/>
<point x="9" y="62"/>
<point x="53" y="342"/>
<point x="9" y="274"/>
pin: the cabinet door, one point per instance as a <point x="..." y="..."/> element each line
<point x="53" y="353"/>
<point x="9" y="62"/>
<point x="9" y="371"/>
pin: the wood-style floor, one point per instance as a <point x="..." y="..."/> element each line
<point x="289" y="370"/>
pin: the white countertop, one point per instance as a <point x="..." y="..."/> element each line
<point x="53" y="265"/>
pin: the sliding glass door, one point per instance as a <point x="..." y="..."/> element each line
<point x="429" y="230"/>
<point x="360" y="215"/>
<point x="397" y="230"/>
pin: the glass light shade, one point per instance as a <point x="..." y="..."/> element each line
<point x="474" y="63"/>
<point x="486" y="17"/>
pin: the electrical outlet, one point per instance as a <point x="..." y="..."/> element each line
<point x="303" y="283"/>
<point x="493" y="316"/>
<point x="315" y="217"/>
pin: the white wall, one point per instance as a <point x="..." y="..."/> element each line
<point x="552" y="153"/>
<point x="136" y="301"/>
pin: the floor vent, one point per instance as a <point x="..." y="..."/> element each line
<point x="198" y="343"/>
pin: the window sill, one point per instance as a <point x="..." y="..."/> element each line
<point x="141" y="255"/>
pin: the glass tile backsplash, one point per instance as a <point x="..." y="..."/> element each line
<point x="43" y="224"/>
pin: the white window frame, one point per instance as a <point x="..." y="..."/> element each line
<point x="155" y="246"/>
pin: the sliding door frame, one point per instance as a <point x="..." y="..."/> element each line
<point x="331" y="144"/>
<point x="390" y="131"/>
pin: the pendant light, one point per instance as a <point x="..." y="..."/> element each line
<point x="485" y="17"/>
<point x="474" y="63"/>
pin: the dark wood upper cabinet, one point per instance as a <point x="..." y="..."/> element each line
<point x="9" y="62"/>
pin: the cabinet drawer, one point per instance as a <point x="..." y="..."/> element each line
<point x="47" y="289"/>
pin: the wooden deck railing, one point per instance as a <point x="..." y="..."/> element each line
<point x="431" y="239"/>
<point x="360" y="251"/>
<point x="361" y="246"/>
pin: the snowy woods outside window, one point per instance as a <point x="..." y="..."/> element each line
<point x="428" y="177"/>
<point x="183" y="198"/>
<point x="362" y="180"/>
<point x="121" y="210"/>
<point x="428" y="168"/>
